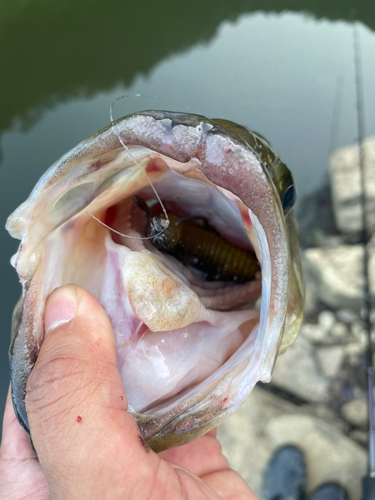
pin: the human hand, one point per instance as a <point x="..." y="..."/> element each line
<point x="88" y="446"/>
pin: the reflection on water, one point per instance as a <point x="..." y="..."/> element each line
<point x="57" y="50"/>
<point x="274" y="72"/>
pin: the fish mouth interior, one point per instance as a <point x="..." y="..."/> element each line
<point x="162" y="367"/>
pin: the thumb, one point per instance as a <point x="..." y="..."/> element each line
<point x="76" y="404"/>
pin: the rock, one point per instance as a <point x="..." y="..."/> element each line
<point x="358" y="331"/>
<point x="346" y="186"/>
<point x="354" y="352"/>
<point x="326" y="319"/>
<point x="337" y="274"/>
<point x="339" y="331"/>
<point x="298" y="372"/>
<point x="321" y="334"/>
<point x="330" y="359"/>
<point x="242" y="436"/>
<point x="311" y="300"/>
<point x="265" y="421"/>
<point x="323" y="412"/>
<point x="358" y="393"/>
<point x="330" y="455"/>
<point x="355" y="412"/>
<point x="315" y="217"/>
<point x="359" y="436"/>
<point x="347" y="316"/>
<point x="313" y="333"/>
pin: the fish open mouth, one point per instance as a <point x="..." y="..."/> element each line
<point x="198" y="314"/>
<point x="174" y="326"/>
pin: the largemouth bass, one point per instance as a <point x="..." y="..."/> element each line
<point x="191" y="345"/>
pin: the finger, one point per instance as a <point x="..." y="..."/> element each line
<point x="229" y="485"/>
<point x="77" y="406"/>
<point x="201" y="456"/>
<point x="20" y="472"/>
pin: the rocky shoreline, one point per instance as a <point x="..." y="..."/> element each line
<point x="317" y="397"/>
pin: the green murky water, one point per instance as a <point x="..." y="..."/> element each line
<point x="273" y="66"/>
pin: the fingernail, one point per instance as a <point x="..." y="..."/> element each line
<point x="61" y="307"/>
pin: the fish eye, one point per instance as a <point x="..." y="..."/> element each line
<point x="289" y="198"/>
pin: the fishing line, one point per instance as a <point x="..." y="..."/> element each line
<point x="155" y="98"/>
<point x="164" y="223"/>
<point x="135" y="161"/>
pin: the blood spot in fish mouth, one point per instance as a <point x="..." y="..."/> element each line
<point x="223" y="403"/>
<point x="154" y="166"/>
<point x="79" y="419"/>
<point x="144" y="444"/>
<point x="96" y="165"/>
<point x="246" y="217"/>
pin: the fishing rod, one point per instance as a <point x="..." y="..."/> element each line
<point x="336" y="112"/>
<point x="368" y="481"/>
